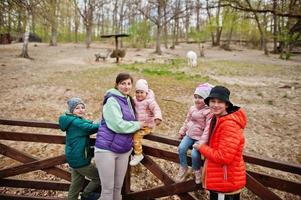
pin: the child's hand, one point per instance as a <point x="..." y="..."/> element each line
<point x="196" y="146"/>
<point x="157" y="122"/>
<point x="180" y="136"/>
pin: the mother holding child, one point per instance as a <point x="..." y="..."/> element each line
<point x="114" y="138"/>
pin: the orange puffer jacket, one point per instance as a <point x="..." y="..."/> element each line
<point x="224" y="168"/>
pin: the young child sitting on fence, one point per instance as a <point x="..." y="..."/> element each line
<point x="194" y="130"/>
<point x="78" y="151"/>
<point x="148" y="111"/>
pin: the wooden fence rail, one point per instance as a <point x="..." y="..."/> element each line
<point x="258" y="183"/>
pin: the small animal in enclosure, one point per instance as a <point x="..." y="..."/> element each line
<point x="119" y="53"/>
<point x="103" y="55"/>
<point x="192" y="59"/>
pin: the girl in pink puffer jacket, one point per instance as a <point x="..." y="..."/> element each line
<point x="147" y="111"/>
<point x="194" y="130"/>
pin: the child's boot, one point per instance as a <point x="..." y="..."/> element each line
<point x="136" y="160"/>
<point x="182" y="175"/>
<point x="198" y="176"/>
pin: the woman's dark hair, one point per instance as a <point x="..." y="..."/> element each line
<point x="121" y="77"/>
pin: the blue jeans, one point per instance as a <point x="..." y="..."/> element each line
<point x="186" y="144"/>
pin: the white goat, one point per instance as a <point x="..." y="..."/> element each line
<point x="192" y="59"/>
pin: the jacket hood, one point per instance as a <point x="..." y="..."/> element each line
<point x="150" y="94"/>
<point x="237" y="115"/>
<point x="115" y="92"/>
<point x="66" y="120"/>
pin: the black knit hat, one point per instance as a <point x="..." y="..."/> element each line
<point x="219" y="92"/>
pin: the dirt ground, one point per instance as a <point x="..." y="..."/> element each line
<point x="268" y="88"/>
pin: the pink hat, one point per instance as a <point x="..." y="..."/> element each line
<point x="203" y="90"/>
<point x="142" y="84"/>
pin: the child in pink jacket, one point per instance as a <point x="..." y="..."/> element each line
<point x="147" y="111"/>
<point x="194" y="130"/>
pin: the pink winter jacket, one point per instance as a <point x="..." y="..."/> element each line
<point x="148" y="110"/>
<point x="196" y="125"/>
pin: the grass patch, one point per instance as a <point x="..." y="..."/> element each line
<point x="171" y="69"/>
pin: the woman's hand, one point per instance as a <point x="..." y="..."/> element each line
<point x="142" y="124"/>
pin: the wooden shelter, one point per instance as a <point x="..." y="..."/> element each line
<point x="257" y="182"/>
<point x="116" y="36"/>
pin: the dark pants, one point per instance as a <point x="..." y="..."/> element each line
<point x="214" y="196"/>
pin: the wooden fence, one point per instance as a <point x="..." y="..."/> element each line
<point x="258" y="183"/>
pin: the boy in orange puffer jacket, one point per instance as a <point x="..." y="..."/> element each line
<point x="225" y="172"/>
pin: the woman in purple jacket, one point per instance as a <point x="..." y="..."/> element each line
<point x="114" y="138"/>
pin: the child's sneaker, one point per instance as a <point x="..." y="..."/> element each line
<point x="181" y="176"/>
<point x="136" y="160"/>
<point x="198" y="176"/>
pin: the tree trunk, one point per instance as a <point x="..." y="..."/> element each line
<point x="209" y="17"/>
<point x="218" y="27"/>
<point x="24" y="53"/>
<point x="89" y="23"/>
<point x="187" y="21"/>
<point x="53" y="41"/>
<point x="275" y="27"/>
<point x="76" y="24"/>
<point x="120" y="24"/>
<point x="159" y="27"/>
<point x="261" y="31"/>
<point x="115" y="11"/>
<point x="165" y="27"/>
<point x="54" y="23"/>
<point x="197" y="10"/>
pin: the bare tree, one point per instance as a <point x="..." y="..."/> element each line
<point x="197" y="12"/>
<point x="260" y="27"/>
<point x="89" y="6"/>
<point x="24" y="52"/>
<point x="28" y="7"/>
<point x="153" y="10"/>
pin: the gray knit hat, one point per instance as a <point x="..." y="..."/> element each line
<point x="73" y="102"/>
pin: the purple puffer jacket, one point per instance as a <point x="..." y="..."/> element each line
<point x="110" y="140"/>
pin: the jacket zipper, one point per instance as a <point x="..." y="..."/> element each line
<point x="225" y="173"/>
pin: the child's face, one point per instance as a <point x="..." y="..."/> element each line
<point x="125" y="86"/>
<point x="140" y="95"/>
<point x="218" y="107"/>
<point x="198" y="101"/>
<point x="79" y="110"/>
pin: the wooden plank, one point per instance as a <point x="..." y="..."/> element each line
<point x="41" y="185"/>
<point x="26" y="158"/>
<point x="156" y="170"/>
<point x="272" y="163"/>
<point x="277" y="183"/>
<point x="32" y="166"/>
<point x="32" y="137"/>
<point x="173" y="189"/>
<point x="29" y="123"/>
<point x="22" y="197"/>
<point x="163" y="154"/>
<point x="260" y="190"/>
<point x="162" y="139"/>
<point x="161" y="175"/>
